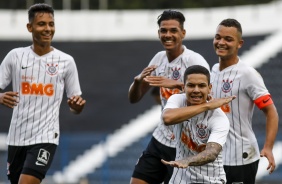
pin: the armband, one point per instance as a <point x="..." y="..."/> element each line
<point x="263" y="101"/>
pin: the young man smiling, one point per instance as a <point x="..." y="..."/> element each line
<point x="232" y="76"/>
<point x="166" y="71"/>
<point x="201" y="128"/>
<point x="39" y="74"/>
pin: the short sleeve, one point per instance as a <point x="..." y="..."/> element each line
<point x="254" y="84"/>
<point x="6" y="70"/>
<point x="219" y="127"/>
<point x="72" y="85"/>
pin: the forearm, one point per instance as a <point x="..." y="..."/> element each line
<point x="208" y="155"/>
<point x="137" y="90"/>
<point x="178" y="115"/>
<point x="271" y="126"/>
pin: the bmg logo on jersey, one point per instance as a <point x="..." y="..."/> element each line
<point x="37" y="89"/>
<point x="43" y="156"/>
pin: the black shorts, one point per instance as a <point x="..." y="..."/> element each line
<point x="32" y="160"/>
<point x="245" y="174"/>
<point x="149" y="167"/>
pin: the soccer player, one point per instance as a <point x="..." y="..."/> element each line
<point x="231" y="76"/>
<point x="201" y="129"/>
<point x="166" y="71"/>
<point x="39" y="75"/>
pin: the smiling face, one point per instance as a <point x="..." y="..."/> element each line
<point x="197" y="89"/>
<point x="171" y="35"/>
<point x="42" y="28"/>
<point x="227" y="42"/>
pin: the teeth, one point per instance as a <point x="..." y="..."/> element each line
<point x="221" y="48"/>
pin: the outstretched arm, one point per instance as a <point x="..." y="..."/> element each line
<point x="208" y="155"/>
<point x="139" y="86"/>
<point x="271" y="131"/>
<point x="177" y="115"/>
<point x="9" y="98"/>
<point x="76" y="104"/>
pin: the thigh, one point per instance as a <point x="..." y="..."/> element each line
<point x="149" y="167"/>
<point x="15" y="162"/>
<point x="245" y="174"/>
<point x="38" y="160"/>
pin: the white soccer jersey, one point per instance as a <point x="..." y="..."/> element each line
<point x="246" y="83"/>
<point x="172" y="70"/>
<point x="192" y="136"/>
<point x="40" y="82"/>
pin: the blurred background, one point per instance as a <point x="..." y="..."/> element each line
<point x="111" y="42"/>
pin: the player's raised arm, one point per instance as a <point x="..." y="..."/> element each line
<point x="139" y="86"/>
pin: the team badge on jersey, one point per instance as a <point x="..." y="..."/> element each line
<point x="226" y="86"/>
<point x="175" y="73"/>
<point x="201" y="131"/>
<point x="52" y="68"/>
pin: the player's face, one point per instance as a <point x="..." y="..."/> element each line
<point x="171" y="35"/>
<point x="197" y="89"/>
<point x="42" y="28"/>
<point x="227" y="42"/>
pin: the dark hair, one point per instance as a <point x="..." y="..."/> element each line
<point x="172" y="14"/>
<point x="232" y="23"/>
<point x="40" y="7"/>
<point x="197" y="69"/>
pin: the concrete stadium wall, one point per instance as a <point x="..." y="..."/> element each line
<point x="110" y="25"/>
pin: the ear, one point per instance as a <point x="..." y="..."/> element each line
<point x="241" y="42"/>
<point x="159" y="33"/>
<point x="210" y="87"/>
<point x="183" y="33"/>
<point x="29" y="27"/>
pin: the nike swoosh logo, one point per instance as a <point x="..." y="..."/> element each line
<point x="38" y="163"/>
<point x="264" y="101"/>
<point x="25" y="67"/>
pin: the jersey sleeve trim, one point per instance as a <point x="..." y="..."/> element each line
<point x="263" y="101"/>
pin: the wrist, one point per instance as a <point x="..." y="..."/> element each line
<point x="137" y="79"/>
<point x="74" y="111"/>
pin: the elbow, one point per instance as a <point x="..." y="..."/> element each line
<point x="167" y="120"/>
<point x="213" y="158"/>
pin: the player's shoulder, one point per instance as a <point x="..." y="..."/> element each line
<point x="245" y="68"/>
<point x="178" y="96"/>
<point x="20" y="50"/>
<point x="160" y="54"/>
<point x="217" y="113"/>
<point x="63" y="54"/>
<point x="194" y="58"/>
<point x="215" y="68"/>
<point x="188" y="52"/>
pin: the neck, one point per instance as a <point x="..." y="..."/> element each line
<point x="42" y="49"/>
<point x="172" y="54"/>
<point x="224" y="62"/>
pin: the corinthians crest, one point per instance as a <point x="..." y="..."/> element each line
<point x="52" y="68"/>
<point x="226" y="85"/>
<point x="175" y="73"/>
<point x="201" y="131"/>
